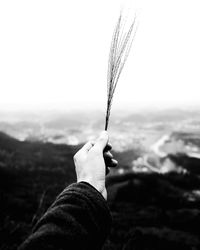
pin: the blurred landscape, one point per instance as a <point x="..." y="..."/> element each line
<point x="154" y="193"/>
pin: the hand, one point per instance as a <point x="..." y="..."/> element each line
<point x="90" y="164"/>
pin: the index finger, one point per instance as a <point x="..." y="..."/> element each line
<point x="102" y="141"/>
<point x="87" y="146"/>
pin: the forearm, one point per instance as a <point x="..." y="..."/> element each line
<point x="78" y="219"/>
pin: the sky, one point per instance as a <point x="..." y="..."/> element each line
<point x="54" y="54"/>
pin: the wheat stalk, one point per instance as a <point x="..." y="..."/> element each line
<point x="119" y="51"/>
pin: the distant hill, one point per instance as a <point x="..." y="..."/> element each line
<point x="31" y="176"/>
<point x="150" y="211"/>
<point x="154" y="212"/>
<point x="36" y="155"/>
<point x="174" y="115"/>
<point x="7" y="142"/>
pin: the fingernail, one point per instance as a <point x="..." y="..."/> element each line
<point x="115" y="161"/>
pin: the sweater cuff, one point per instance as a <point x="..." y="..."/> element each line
<point x="91" y="192"/>
<point x="98" y="193"/>
<point x="92" y="195"/>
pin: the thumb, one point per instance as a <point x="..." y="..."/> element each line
<point x="102" y="141"/>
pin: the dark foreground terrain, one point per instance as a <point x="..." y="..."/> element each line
<point x="150" y="211"/>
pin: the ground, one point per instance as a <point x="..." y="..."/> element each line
<point x="150" y="211"/>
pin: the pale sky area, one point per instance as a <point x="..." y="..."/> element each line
<point x="54" y="54"/>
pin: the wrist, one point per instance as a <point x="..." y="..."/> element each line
<point x="100" y="187"/>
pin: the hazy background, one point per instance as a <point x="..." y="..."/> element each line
<point x="53" y="54"/>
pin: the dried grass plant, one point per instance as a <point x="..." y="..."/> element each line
<point x="119" y="50"/>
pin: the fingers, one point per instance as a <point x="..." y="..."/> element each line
<point x="102" y="141"/>
<point x="114" y="163"/>
<point x="109" y="161"/>
<point x="108" y="147"/>
<point x="102" y="145"/>
<point x="87" y="146"/>
<point x="111" y="164"/>
<point x="107" y="154"/>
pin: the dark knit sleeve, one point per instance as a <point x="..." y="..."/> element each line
<point x="78" y="219"/>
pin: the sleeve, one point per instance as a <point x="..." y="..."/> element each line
<point x="78" y="219"/>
